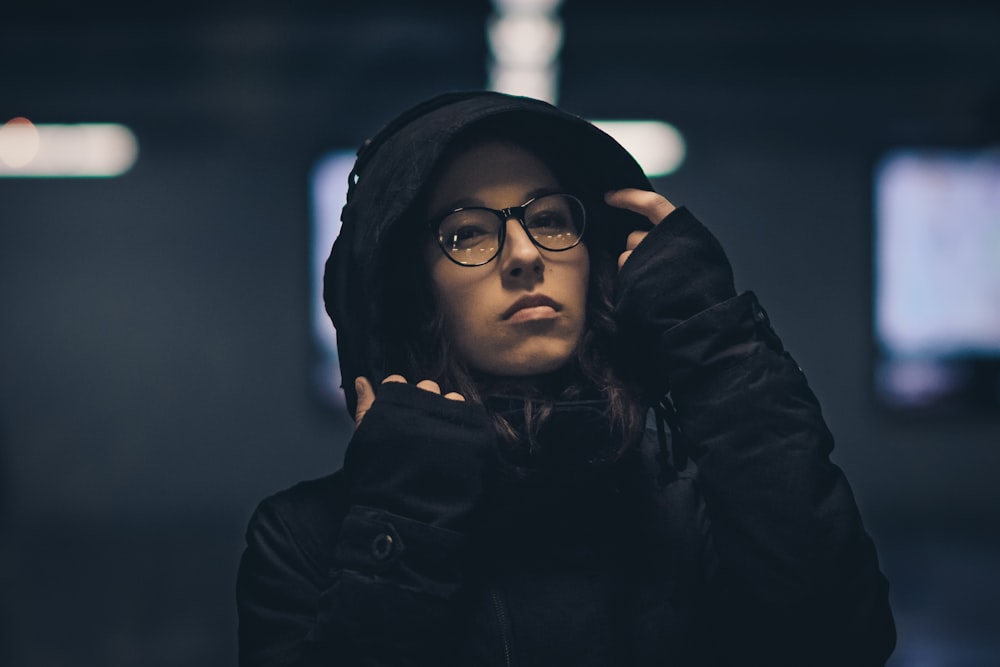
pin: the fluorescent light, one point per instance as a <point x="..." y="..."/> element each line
<point x="658" y="147"/>
<point x="525" y="37"/>
<point x="79" y="150"/>
<point x="527" y="6"/>
<point x="18" y="142"/>
<point x="537" y="82"/>
<point x="525" y="40"/>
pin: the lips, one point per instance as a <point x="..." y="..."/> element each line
<point x="530" y="301"/>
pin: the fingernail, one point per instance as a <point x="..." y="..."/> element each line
<point x="359" y="387"/>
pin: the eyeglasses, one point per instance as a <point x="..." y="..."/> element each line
<point x="474" y="235"/>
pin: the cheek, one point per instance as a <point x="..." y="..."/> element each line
<point x="465" y="307"/>
<point x="455" y="292"/>
<point x="582" y="277"/>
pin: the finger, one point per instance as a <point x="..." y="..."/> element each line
<point x="429" y="385"/>
<point x="622" y="257"/>
<point x="366" y="396"/>
<point x="655" y="207"/>
<point x="631" y="243"/>
<point x="454" y="396"/>
<point x="634" y="239"/>
<point x="394" y="378"/>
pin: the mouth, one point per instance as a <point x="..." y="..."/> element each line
<point x="532" y="307"/>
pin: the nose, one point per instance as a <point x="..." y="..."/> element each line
<point x="520" y="256"/>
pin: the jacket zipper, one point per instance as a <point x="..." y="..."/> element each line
<point x="504" y="630"/>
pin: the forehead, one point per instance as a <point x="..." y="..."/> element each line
<point x="489" y="172"/>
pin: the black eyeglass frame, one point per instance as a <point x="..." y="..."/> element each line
<point x="516" y="212"/>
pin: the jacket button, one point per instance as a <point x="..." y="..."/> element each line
<point x="382" y="546"/>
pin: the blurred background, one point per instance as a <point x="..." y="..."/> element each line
<point x="157" y="353"/>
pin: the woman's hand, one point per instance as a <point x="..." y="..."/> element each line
<point x="653" y="206"/>
<point x="366" y="393"/>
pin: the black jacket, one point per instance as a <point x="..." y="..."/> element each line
<point x="725" y="537"/>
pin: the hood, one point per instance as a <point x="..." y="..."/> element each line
<point x="393" y="167"/>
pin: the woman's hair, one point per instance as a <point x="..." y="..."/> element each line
<point x="412" y="331"/>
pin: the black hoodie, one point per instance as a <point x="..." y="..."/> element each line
<point x="728" y="538"/>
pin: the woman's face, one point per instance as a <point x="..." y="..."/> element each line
<point x="523" y="313"/>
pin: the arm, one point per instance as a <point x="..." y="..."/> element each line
<point x="377" y="589"/>
<point x="791" y="570"/>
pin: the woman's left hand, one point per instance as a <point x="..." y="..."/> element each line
<point x="655" y="207"/>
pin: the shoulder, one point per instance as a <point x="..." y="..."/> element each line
<point x="304" y="518"/>
<point x="306" y="497"/>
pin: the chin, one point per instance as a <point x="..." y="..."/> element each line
<point x="530" y="362"/>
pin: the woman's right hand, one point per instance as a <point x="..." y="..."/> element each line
<point x="366" y="393"/>
<point x="651" y="205"/>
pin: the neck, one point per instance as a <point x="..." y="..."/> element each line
<point x="554" y="385"/>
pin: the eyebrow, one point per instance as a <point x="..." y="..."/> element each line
<point x="469" y="202"/>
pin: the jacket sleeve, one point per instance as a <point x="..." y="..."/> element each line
<point x="382" y="590"/>
<point x="790" y="570"/>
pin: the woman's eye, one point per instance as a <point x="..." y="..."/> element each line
<point x="549" y="220"/>
<point x="466" y="236"/>
<point x="469" y="232"/>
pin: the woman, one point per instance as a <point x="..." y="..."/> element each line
<point x="513" y="299"/>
